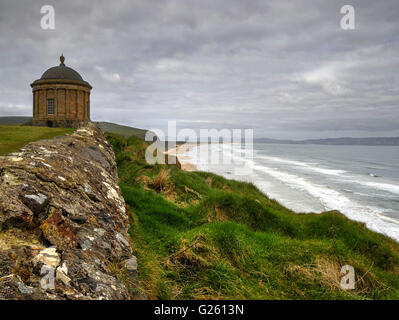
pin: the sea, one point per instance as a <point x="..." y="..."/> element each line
<point x="362" y="182"/>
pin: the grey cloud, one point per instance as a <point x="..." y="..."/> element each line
<point x="284" y="68"/>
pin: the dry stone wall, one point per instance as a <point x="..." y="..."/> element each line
<point x="63" y="221"/>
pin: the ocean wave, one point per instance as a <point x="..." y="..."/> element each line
<point x="307" y="166"/>
<point x="335" y="172"/>
<point x="334" y="200"/>
<point x="391" y="188"/>
<point x="328" y="198"/>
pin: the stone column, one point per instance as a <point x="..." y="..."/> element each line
<point x="67" y="108"/>
<point x="42" y="101"/>
<point x="88" y="107"/>
<point x="87" y="117"/>
<point x="33" y="105"/>
<point x="36" y="100"/>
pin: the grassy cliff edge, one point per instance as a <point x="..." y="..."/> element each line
<point x="13" y="137"/>
<point x="199" y="236"/>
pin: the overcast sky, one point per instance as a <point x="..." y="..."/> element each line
<point x="284" y="68"/>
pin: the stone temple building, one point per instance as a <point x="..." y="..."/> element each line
<point x="61" y="98"/>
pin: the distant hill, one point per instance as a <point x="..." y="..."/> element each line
<point x="122" y="130"/>
<point x="379" y="141"/>
<point x="394" y="141"/>
<point x="14" y="120"/>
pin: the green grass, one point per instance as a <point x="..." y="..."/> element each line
<point x="14" y="137"/>
<point x="201" y="236"/>
<point x="121" y="130"/>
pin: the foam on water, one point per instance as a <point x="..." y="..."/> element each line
<point x="324" y="195"/>
<point x="382" y="186"/>
<point x="307" y="166"/>
<point x="334" y="200"/>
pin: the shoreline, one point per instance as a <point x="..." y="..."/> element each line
<point x="331" y="199"/>
<point x="231" y="210"/>
<point x="185" y="161"/>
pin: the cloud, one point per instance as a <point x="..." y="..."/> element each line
<point x="285" y="68"/>
<point x="114" y="78"/>
<point x="327" y="80"/>
<point x="14" y="109"/>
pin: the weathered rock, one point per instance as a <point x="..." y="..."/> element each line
<point x="62" y="220"/>
<point x="131" y="266"/>
<point x="48" y="256"/>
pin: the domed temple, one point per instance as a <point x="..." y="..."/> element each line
<point x="61" y="98"/>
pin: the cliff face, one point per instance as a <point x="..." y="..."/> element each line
<point x="63" y="222"/>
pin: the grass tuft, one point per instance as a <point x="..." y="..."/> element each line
<point x="161" y="181"/>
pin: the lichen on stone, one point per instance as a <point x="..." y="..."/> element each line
<point x="61" y="207"/>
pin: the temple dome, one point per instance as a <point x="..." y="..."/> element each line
<point x="61" y="72"/>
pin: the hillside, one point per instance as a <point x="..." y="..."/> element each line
<point x="14" y="137"/>
<point x="122" y="130"/>
<point x="196" y="235"/>
<point x="125" y="131"/>
<point x="14" y="120"/>
<point x="199" y="236"/>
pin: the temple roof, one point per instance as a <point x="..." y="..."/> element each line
<point x="61" y="72"/>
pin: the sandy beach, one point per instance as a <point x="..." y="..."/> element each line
<point x="185" y="161"/>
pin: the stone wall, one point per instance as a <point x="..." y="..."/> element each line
<point x="62" y="218"/>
